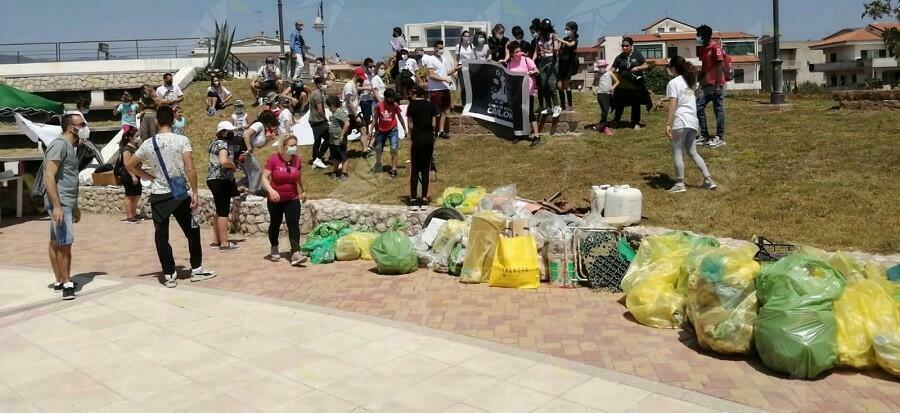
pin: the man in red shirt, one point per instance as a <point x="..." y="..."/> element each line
<point x="387" y="112"/>
<point x="712" y="84"/>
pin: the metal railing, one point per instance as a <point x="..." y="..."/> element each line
<point x="163" y="48"/>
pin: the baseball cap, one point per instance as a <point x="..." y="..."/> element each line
<point x="360" y="73"/>
<point x="238" y="102"/>
<point x="271" y="97"/>
<point x="225" y="125"/>
<point x="270" y="60"/>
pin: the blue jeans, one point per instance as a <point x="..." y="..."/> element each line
<point x="709" y="94"/>
<point x="63" y="233"/>
<point x="392" y="136"/>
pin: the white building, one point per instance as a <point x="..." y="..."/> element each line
<point x="796" y="57"/>
<point x="668" y="37"/>
<point x="253" y="50"/>
<point x="425" y="34"/>
<point x="855" y="55"/>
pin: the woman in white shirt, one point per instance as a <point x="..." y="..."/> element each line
<point x="682" y="125"/>
<point x="378" y="86"/>
<point x="216" y="96"/>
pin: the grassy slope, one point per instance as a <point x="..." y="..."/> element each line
<point x="810" y="174"/>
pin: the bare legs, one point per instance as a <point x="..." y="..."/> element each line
<point x="61" y="261"/>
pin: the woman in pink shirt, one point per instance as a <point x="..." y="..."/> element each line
<point x="283" y="182"/>
<point x="521" y="63"/>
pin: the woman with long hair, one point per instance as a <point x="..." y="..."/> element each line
<point x="398" y="45"/>
<point x="682" y="124"/>
<point x="147" y="106"/>
<point x="283" y="183"/>
<point x="259" y="134"/>
<point x="568" y="64"/>
<point x="521" y="63"/>
<point x="497" y="44"/>
<point x="545" y="51"/>
<point x="216" y="96"/>
<point x="132" y="184"/>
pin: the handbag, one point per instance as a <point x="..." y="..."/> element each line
<point x="516" y="263"/>
<point x="178" y="184"/>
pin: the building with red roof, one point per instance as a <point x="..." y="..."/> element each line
<point x="855" y="56"/>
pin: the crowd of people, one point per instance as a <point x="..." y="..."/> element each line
<point x="154" y="147"/>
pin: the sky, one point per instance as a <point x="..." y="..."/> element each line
<point x="361" y="28"/>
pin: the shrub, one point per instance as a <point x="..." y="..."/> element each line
<point x="656" y="79"/>
<point x="809" y="88"/>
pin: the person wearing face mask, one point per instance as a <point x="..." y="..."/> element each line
<point x="338" y="129"/>
<point x="712" y="86"/>
<point x="147" y="106"/>
<point x="497" y="44"/>
<point x="398" y="45"/>
<point x="61" y="198"/>
<point x="568" y="65"/>
<point x="351" y="97"/>
<point x="607" y="83"/>
<point x="465" y="51"/>
<point x="523" y="64"/>
<point x="438" y="86"/>
<point x="378" y="85"/>
<point x="298" y="50"/>
<point x="387" y="113"/>
<point x="268" y="78"/>
<point x="323" y="71"/>
<point x="545" y="54"/>
<point x="216" y="96"/>
<point x="519" y="36"/>
<point x="220" y="181"/>
<point x="239" y="120"/>
<point x="83" y="106"/>
<point x="127" y="109"/>
<point x="482" y="49"/>
<point x="258" y="135"/>
<point x="131" y="183"/>
<point x="366" y="97"/>
<point x="407" y="73"/>
<point x="283" y="182"/>
<point x="533" y="29"/>
<point x="170" y="93"/>
<point x="682" y="124"/>
<point x="629" y="67"/>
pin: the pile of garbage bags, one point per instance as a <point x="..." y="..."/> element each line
<point x="805" y="314"/>
<point x="392" y="251"/>
<point x="465" y="200"/>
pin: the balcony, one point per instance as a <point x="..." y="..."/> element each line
<point x="854" y="65"/>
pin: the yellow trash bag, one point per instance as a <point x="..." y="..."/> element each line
<point x="656" y="281"/>
<point x="516" y="263"/>
<point x="721" y="301"/>
<point x="451" y="232"/>
<point x="346" y="250"/>
<point x="887" y="352"/>
<point x="362" y="241"/>
<point x="483" y="234"/>
<point x="863" y="311"/>
<point x="473" y="197"/>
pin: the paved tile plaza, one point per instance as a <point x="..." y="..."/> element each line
<point x="267" y="337"/>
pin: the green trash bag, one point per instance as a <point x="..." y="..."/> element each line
<point x="394" y="254"/>
<point x="796" y="330"/>
<point x="339" y="228"/>
<point x="321" y="250"/>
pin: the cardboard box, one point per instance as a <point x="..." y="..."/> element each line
<point x="105" y="178"/>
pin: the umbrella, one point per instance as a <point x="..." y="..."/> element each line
<point x="13" y="100"/>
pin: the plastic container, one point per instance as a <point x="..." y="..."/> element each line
<point x="598" y="197"/>
<point x="623" y="205"/>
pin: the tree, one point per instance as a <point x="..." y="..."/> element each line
<point x="878" y="9"/>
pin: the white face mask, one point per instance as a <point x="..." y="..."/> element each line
<point x="568" y="32"/>
<point x="481" y="40"/>
<point x="404" y="56"/>
<point x="498" y="36"/>
<point x="381" y="72"/>
<point x="85" y="111"/>
<point x="699" y="41"/>
<point x="292" y="150"/>
<point x="84" y="133"/>
<point x="270" y="68"/>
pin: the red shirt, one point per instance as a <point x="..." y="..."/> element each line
<point x="285" y="176"/>
<point x="386" y="114"/>
<point x="710" y="57"/>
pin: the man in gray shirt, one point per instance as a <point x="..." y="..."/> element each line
<point x="61" y="198"/>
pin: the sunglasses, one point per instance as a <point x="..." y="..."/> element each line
<point x="626" y="45"/>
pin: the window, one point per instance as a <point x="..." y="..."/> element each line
<point x="843" y="80"/>
<point x="738" y="75"/>
<point x="671" y="29"/>
<point x="414" y="38"/>
<point x="882" y="53"/>
<point x="650" y="51"/>
<point x="863" y="54"/>
<point x="833" y="80"/>
<point x="852" y="79"/>
<point x="661" y="30"/>
<point x="432" y="35"/>
<point x="832" y="58"/>
<point x="672" y="51"/>
<point x="451" y="35"/>
<point x="740" y="48"/>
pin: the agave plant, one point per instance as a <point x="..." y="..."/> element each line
<point x="221" y="47"/>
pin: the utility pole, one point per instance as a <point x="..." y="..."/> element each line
<point x="320" y="26"/>
<point x="777" y="97"/>
<point x="283" y="57"/>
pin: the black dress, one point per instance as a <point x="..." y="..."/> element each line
<point x="568" y="60"/>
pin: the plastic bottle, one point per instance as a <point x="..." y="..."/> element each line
<point x="195" y="224"/>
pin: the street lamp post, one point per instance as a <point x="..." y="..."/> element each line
<point x="284" y="58"/>
<point x="777" y="97"/>
<point x="319" y="25"/>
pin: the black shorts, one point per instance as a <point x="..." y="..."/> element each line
<point x="219" y="104"/>
<point x="131" y="188"/>
<point x="222" y="190"/>
<point x="267" y="84"/>
<point x="366" y="107"/>
<point x="338" y="153"/>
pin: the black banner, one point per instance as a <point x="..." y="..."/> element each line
<point x="497" y="95"/>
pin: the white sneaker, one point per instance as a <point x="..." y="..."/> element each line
<point x="170" y="280"/>
<point x="716" y="142"/>
<point x="319" y="164"/>
<point x="637" y="128"/>
<point x="274" y="255"/>
<point x="709" y="184"/>
<point x="255" y="198"/>
<point x="677" y="188"/>
<point x="545" y="111"/>
<point x="297" y="258"/>
<point x="557" y="110"/>
<point x="201" y="274"/>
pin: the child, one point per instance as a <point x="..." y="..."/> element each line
<point x="339" y="128"/>
<point x="180" y="121"/>
<point x="421" y="114"/>
<point x="127" y="109"/>
<point x="387" y="112"/>
<point x="607" y="82"/>
<point x="682" y="124"/>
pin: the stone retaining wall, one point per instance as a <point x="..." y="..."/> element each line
<point x="868" y="99"/>
<point x="93" y="81"/>
<point x="252" y="217"/>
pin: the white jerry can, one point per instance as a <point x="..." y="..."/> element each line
<point x="598" y="198"/>
<point x="623" y="206"/>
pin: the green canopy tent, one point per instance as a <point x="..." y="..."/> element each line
<point x="13" y="100"/>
